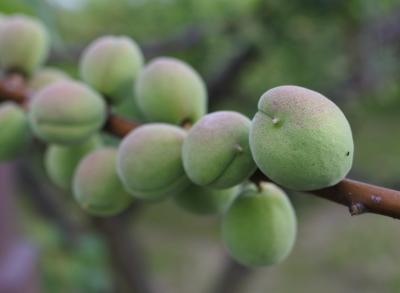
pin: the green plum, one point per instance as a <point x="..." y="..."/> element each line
<point x="66" y="112"/>
<point x="206" y="201"/>
<point x="259" y="228"/>
<point x="169" y="90"/>
<point x="149" y="161"/>
<point x="300" y="139"/>
<point x="24" y="43"/>
<point x="96" y="185"/>
<point x="61" y="161"/>
<point x="110" y="64"/>
<point x="14" y="130"/>
<point x="44" y="77"/>
<point x="216" y="151"/>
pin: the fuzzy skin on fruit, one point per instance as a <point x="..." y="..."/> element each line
<point x="149" y="161"/>
<point x="216" y="150"/>
<point x="169" y="90"/>
<point x="14" y="130"/>
<point x="110" y="64"/>
<point x="206" y="201"/>
<point x="96" y="185"/>
<point x="300" y="139"/>
<point x="24" y="43"/>
<point x="66" y="112"/>
<point x="61" y="161"/>
<point x="44" y="77"/>
<point x="260" y="227"/>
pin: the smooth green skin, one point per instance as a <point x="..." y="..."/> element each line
<point x="206" y="201"/>
<point x="216" y="151"/>
<point x="24" y="43"/>
<point x="260" y="227"/>
<point x="110" y="64"/>
<point x="61" y="161"/>
<point x="44" y="77"/>
<point x="96" y="185"/>
<point x="169" y="90"/>
<point x="149" y="161"/>
<point x="300" y="139"/>
<point x="14" y="130"/>
<point x="66" y="112"/>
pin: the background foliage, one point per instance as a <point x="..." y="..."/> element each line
<point x="348" y="50"/>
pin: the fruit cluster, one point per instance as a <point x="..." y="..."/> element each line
<point x="298" y="138"/>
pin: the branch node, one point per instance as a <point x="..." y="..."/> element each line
<point x="357" y="209"/>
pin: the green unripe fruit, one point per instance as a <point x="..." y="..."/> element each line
<point x="216" y="150"/>
<point x="169" y="90"/>
<point x="300" y="139"/>
<point x="61" y="161"/>
<point x="260" y="227"/>
<point x="66" y="112"/>
<point x="96" y="185"/>
<point x="44" y="77"/>
<point x="24" y="43"/>
<point x="205" y="201"/>
<point x="110" y="65"/>
<point x="149" y="161"/>
<point x="14" y="130"/>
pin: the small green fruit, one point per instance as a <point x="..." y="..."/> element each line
<point x="44" y="77"/>
<point x="205" y="201"/>
<point x="66" y="112"/>
<point x="260" y="227"/>
<point x="216" y="151"/>
<point x="110" y="65"/>
<point x="24" y="43"/>
<point x="61" y="161"/>
<point x="149" y="161"/>
<point x="169" y="90"/>
<point x="96" y="185"/>
<point x="300" y="139"/>
<point x="14" y="130"/>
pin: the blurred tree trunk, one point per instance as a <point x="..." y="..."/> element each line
<point x="18" y="258"/>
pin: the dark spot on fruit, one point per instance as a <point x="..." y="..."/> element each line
<point x="348" y="154"/>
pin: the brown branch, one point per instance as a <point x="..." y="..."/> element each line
<point x="232" y="277"/>
<point x="125" y="252"/>
<point x="43" y="198"/>
<point x="357" y="196"/>
<point x="222" y="83"/>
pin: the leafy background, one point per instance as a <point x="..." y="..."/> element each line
<point x="345" y="49"/>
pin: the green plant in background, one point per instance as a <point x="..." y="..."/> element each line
<point x="153" y="167"/>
